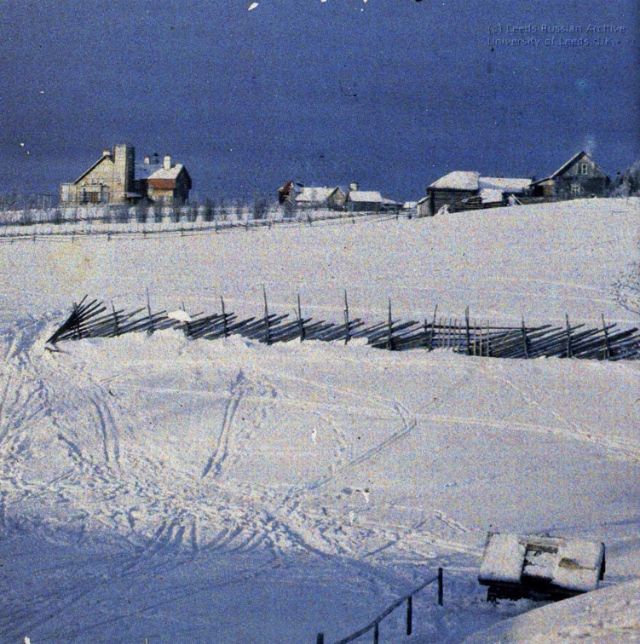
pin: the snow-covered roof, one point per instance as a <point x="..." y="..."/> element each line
<point x="145" y="170"/>
<point x="365" y="196"/>
<point x="503" y="558"/>
<point x="505" y="184"/>
<point x="458" y="180"/>
<point x="423" y="200"/>
<point x="577" y="566"/>
<point x="171" y="173"/>
<point x="573" y="564"/>
<point x="313" y="194"/>
<point x="390" y="202"/>
<point x="409" y="204"/>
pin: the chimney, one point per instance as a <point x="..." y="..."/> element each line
<point x="166" y="162"/>
<point x="106" y="152"/>
<point x="147" y="159"/>
<point x="353" y="186"/>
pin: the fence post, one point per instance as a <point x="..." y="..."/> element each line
<point x="440" y="588"/>
<point x="116" y="330"/>
<point x="525" y="341"/>
<point x="376" y="633"/>
<point x="607" y="353"/>
<point x="266" y="315"/>
<point x="390" y="329"/>
<point x="151" y="328"/>
<point x="347" y="333"/>
<point x="300" y="320"/>
<point x="569" y="350"/>
<point x="433" y="328"/>
<point x="409" y="615"/>
<point x="320" y="638"/>
<point x="466" y="321"/>
<point x="225" y="329"/>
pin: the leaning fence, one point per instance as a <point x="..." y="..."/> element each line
<point x="607" y="341"/>
<point x="374" y="625"/>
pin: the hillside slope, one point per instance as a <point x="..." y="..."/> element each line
<point x="155" y="487"/>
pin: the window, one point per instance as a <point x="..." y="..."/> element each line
<point x="583" y="168"/>
<point x="575" y="189"/>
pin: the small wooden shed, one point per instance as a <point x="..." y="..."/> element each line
<point x="540" y="567"/>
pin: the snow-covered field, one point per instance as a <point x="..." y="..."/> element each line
<point x="226" y="491"/>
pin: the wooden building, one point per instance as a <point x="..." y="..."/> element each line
<point x="314" y="198"/>
<point x="364" y="201"/>
<point x="579" y="177"/>
<point x="540" y="567"/>
<point x="465" y="190"/>
<point x="169" y="184"/>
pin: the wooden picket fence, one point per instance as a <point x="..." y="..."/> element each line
<point x="374" y="625"/>
<point x="93" y="318"/>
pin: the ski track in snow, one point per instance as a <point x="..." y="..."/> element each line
<point x="82" y="464"/>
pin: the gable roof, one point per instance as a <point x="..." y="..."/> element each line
<point x="458" y="180"/>
<point x="365" y="196"/>
<point x="169" y="175"/>
<point x="309" y="194"/>
<point x="93" y="167"/>
<point x="565" y="166"/>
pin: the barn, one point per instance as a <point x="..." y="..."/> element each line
<point x="579" y="177"/>
<point x="464" y="190"/>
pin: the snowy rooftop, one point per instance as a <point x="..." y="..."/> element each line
<point x="365" y="196"/>
<point x="171" y="173"/>
<point x="314" y="194"/>
<point x="506" y="184"/>
<point x="458" y="180"/>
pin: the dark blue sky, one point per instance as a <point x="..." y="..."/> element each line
<point x="392" y="96"/>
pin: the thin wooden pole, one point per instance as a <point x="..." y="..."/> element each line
<point x="320" y="638"/>
<point x="376" y="633"/>
<point x="525" y="340"/>
<point x="433" y="328"/>
<point x="347" y="332"/>
<point x="409" y="615"/>
<point x="116" y="330"/>
<point x="569" y="349"/>
<point x="300" y="320"/>
<point x="266" y="314"/>
<point x="466" y="321"/>
<point x="225" y="328"/>
<point x="440" y="587"/>
<point x="152" y="326"/>
<point x="607" y="342"/>
<point x="389" y="329"/>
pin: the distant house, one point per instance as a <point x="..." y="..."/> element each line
<point x="112" y="180"/>
<point x="364" y="201"/>
<point x="467" y="187"/>
<point x="293" y="195"/>
<point x="580" y="176"/>
<point x="309" y="197"/>
<point x="169" y="184"/>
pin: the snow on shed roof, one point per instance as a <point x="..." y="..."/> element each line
<point x="458" y="180"/>
<point x="365" y="196"/>
<point x="577" y="566"/>
<point x="505" y="184"/>
<point x="313" y="194"/>
<point x="503" y="558"/>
